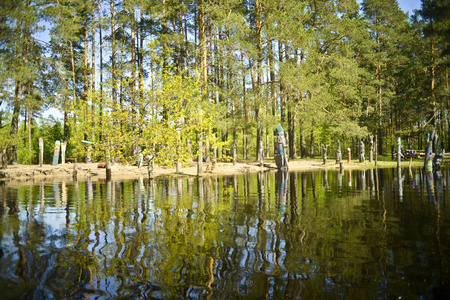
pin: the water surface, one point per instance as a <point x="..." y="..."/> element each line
<point x="373" y="234"/>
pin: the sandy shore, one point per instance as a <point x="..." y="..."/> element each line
<point x="85" y="171"/>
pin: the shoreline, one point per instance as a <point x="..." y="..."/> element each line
<point x="26" y="173"/>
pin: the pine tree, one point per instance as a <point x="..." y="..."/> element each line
<point x="386" y="23"/>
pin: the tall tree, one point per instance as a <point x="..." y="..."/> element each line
<point x="386" y="22"/>
<point x="19" y="23"/>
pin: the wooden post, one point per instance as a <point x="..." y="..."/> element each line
<point x="399" y="152"/>
<point x="56" y="152"/>
<point x="63" y="152"/>
<point x="361" y="151"/>
<point x="41" y="151"/>
<point x="338" y="152"/>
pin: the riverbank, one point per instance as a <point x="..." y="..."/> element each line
<point x="121" y="172"/>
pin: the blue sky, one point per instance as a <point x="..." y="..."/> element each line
<point x="409" y="5"/>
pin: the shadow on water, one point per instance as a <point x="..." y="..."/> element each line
<point x="328" y="234"/>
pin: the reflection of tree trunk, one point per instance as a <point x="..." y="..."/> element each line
<point x="313" y="184"/>
<point x="304" y="185"/>
<point x="3" y="194"/>
<point x="372" y="183"/>
<point x="12" y="203"/>
<point x="41" y="198"/>
<point x="293" y="191"/>
<point x="210" y="269"/>
<point x="261" y="233"/>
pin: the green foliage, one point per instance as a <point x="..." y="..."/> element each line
<point x="176" y="111"/>
<point x="350" y="72"/>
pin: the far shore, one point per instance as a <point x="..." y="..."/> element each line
<point x="23" y="173"/>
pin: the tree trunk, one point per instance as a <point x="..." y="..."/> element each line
<point x="292" y="133"/>
<point x="141" y="58"/>
<point x="312" y="138"/>
<point x="101" y="73"/>
<point x="15" y="121"/>
<point x="29" y="123"/>
<point x="133" y="69"/>
<point x="72" y="59"/>
<point x="204" y="77"/>
<point x="113" y="52"/>
<point x="93" y="104"/>
<point x="85" y="84"/>
<point x="282" y="95"/>
<point x="273" y="95"/>
<point x="66" y="113"/>
<point x="260" y="131"/>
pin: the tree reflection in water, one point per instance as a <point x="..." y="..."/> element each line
<point x="263" y="235"/>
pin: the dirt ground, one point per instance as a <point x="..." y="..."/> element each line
<point x="119" y="172"/>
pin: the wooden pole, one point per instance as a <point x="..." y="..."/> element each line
<point x="41" y="151"/>
<point x="338" y="153"/>
<point x="63" y="152"/>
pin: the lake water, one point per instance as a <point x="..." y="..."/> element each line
<point x="373" y="234"/>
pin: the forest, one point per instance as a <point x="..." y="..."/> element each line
<point x="184" y="79"/>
